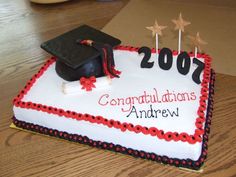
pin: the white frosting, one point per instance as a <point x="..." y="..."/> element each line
<point x="132" y="82"/>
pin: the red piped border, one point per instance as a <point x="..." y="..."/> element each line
<point x="123" y="126"/>
<point x="186" y="163"/>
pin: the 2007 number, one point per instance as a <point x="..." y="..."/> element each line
<point x="165" y="61"/>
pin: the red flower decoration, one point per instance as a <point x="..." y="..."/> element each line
<point x="88" y="83"/>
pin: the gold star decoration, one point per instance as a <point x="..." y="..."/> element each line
<point x="156" y="29"/>
<point x="197" y="41"/>
<point x="180" y="23"/>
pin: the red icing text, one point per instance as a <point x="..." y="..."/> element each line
<point x="146" y="98"/>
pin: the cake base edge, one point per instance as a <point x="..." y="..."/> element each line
<point x="13" y="126"/>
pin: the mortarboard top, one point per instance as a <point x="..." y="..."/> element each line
<point x="76" y="60"/>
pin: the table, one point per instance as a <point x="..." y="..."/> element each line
<point x="23" y="27"/>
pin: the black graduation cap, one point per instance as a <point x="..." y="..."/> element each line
<point x="78" y="58"/>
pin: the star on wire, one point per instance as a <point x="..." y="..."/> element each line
<point x="180" y="23"/>
<point x="197" y="41"/>
<point x="156" y="29"/>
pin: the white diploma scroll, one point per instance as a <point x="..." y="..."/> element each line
<point x="76" y="88"/>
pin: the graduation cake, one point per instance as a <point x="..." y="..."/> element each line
<point x="155" y="105"/>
